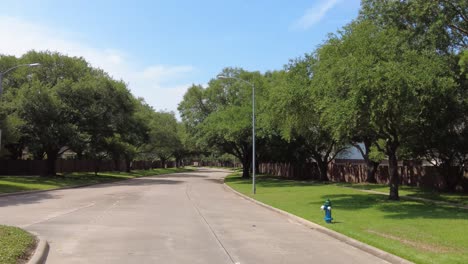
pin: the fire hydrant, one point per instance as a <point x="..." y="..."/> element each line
<point x="327" y="208"/>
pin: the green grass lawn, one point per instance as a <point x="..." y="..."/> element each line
<point x="410" y="191"/>
<point x="10" y="184"/>
<point x="418" y="231"/>
<point x="15" y="244"/>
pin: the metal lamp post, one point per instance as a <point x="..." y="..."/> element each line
<point x="1" y="85"/>
<point x="254" y="189"/>
<point x="12" y="68"/>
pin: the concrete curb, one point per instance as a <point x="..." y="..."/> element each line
<point x="41" y="252"/>
<point x="350" y="241"/>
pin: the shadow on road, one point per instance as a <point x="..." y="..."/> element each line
<point x="32" y="198"/>
<point x="179" y="176"/>
<point x="205" y="170"/>
<point x="137" y="182"/>
<point x="218" y="181"/>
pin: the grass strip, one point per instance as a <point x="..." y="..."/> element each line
<point x="9" y="184"/>
<point x="419" y="231"/>
<point x="16" y="245"/>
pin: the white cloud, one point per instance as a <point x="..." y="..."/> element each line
<point x="160" y="85"/>
<point x="314" y="14"/>
<point x="161" y="71"/>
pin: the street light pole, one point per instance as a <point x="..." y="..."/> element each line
<point x="1" y="85"/>
<point x="254" y="189"/>
<point x="12" y="68"/>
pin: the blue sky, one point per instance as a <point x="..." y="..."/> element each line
<point x="161" y="47"/>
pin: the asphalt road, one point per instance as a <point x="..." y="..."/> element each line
<point x="178" y="218"/>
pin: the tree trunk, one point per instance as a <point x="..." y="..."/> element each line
<point x="323" y="170"/>
<point x="371" y="166"/>
<point x="246" y="167"/>
<point x="117" y="164"/>
<point x="245" y="171"/>
<point x="178" y="162"/>
<point x="371" y="170"/>
<point x="16" y="151"/>
<point x="257" y="166"/>
<point x="97" y="164"/>
<point x="51" y="158"/>
<point x="393" y="173"/>
<point x="163" y="163"/>
<point x="451" y="176"/>
<point x="128" y="163"/>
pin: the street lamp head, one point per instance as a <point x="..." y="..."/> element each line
<point x="34" y="64"/>
<point x="220" y="76"/>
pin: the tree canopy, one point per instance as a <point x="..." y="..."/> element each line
<point x="65" y="104"/>
<point x="392" y="83"/>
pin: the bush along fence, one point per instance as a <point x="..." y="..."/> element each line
<point x="39" y="167"/>
<point x="356" y="172"/>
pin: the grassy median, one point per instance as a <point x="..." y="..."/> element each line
<point x="421" y="232"/>
<point x="9" y="184"/>
<point x="15" y="245"/>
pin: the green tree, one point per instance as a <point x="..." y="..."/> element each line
<point x="130" y="131"/>
<point x="375" y="74"/>
<point x="164" y="137"/>
<point x="67" y="103"/>
<point x="441" y="26"/>
<point x="293" y="111"/>
<point x="219" y="116"/>
<point x="47" y="125"/>
<point x="182" y="148"/>
<point x="11" y="146"/>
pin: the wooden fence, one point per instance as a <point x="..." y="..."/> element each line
<point x="411" y="175"/>
<point x="226" y="164"/>
<point x="38" y="167"/>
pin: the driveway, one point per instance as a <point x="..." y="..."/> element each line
<point x="177" y="218"/>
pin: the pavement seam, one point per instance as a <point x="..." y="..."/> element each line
<point x="59" y="215"/>
<point x="208" y="224"/>
<point x="350" y="241"/>
<point x="41" y="252"/>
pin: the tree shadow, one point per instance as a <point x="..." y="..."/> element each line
<point x="354" y="201"/>
<point x="403" y="209"/>
<point x="218" y="181"/>
<point x="179" y="175"/>
<point x="361" y="186"/>
<point x="137" y="182"/>
<point x="453" y="198"/>
<point x="26" y="198"/>
<point x="418" y="192"/>
<point x="31" y="198"/>
<point x="207" y="170"/>
<point x="412" y="210"/>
